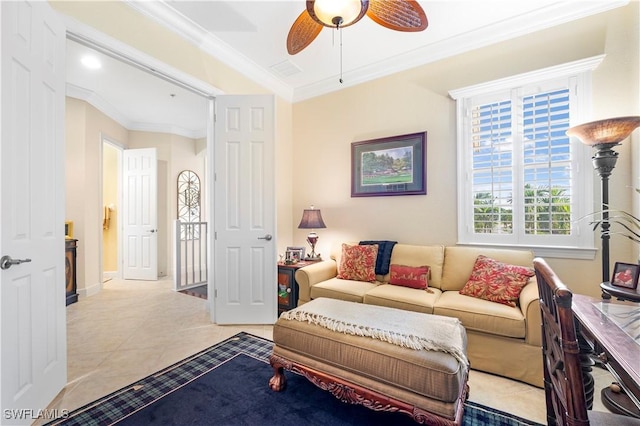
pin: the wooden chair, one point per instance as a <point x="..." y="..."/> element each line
<point x="563" y="383"/>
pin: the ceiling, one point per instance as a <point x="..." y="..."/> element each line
<point x="250" y="36"/>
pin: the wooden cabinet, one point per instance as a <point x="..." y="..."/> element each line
<point x="70" y="270"/>
<point x="287" y="286"/>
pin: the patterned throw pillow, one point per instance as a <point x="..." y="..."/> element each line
<point x="409" y="276"/>
<point x="358" y="263"/>
<point x="496" y="281"/>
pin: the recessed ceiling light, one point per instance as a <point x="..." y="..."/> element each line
<point x="91" y="62"/>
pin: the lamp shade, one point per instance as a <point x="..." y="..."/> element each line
<point x="337" y="13"/>
<point x="608" y="131"/>
<point x="311" y="219"/>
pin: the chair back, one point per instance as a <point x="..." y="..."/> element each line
<point x="563" y="384"/>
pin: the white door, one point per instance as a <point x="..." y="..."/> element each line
<point x="140" y="214"/>
<point x="244" y="211"/>
<point x="33" y="351"/>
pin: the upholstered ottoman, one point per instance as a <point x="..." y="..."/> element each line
<point x="383" y="358"/>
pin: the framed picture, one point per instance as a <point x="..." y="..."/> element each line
<point x="389" y="166"/>
<point x="295" y="253"/>
<point x="68" y="229"/>
<point x="625" y="275"/>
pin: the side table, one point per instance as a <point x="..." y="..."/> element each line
<point x="287" y="285"/>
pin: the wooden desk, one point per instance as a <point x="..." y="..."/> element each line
<point x="620" y="352"/>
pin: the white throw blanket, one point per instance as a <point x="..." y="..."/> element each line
<point x="403" y="328"/>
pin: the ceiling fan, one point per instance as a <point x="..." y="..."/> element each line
<point x="399" y="15"/>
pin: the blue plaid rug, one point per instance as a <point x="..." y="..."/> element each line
<point x="118" y="405"/>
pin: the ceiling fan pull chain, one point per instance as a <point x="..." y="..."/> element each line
<point x="340" y="30"/>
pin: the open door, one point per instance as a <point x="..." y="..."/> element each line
<point x="244" y="210"/>
<point x="140" y="214"/>
<point x="33" y="346"/>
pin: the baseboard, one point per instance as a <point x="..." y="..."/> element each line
<point x="109" y="275"/>
<point x="90" y="291"/>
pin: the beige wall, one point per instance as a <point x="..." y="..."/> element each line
<point x="417" y="100"/>
<point x="112" y="208"/>
<point x="85" y="129"/>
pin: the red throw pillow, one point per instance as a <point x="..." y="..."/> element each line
<point x="496" y="281"/>
<point x="358" y="263"/>
<point x="409" y="276"/>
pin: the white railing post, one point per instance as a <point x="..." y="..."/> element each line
<point x="191" y="252"/>
<point x="177" y="256"/>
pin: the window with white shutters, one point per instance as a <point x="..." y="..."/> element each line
<point x="547" y="166"/>
<point x="522" y="180"/>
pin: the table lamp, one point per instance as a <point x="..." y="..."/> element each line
<point x="312" y="219"/>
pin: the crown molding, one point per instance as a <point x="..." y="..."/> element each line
<point x="540" y="19"/>
<point x="525" y="24"/>
<point x="112" y="112"/>
<point x="168" y="128"/>
<point x="168" y="17"/>
<point x="99" y="103"/>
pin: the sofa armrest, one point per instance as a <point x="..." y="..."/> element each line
<point x="313" y="274"/>
<point x="530" y="305"/>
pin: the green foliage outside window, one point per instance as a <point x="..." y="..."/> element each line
<point x="547" y="211"/>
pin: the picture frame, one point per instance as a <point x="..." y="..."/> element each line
<point x="625" y="275"/>
<point x="295" y="252"/>
<point x="389" y="166"/>
<point x="68" y="230"/>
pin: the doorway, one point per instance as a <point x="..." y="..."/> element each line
<point x="111" y="190"/>
<point x="125" y="107"/>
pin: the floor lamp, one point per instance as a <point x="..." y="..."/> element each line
<point x="603" y="135"/>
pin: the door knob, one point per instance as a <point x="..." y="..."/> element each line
<point x="7" y="261"/>
<point x="267" y="237"/>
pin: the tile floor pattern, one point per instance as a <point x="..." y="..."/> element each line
<point x="134" y="328"/>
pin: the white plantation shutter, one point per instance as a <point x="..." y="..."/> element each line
<point x="547" y="164"/>
<point x="492" y="176"/>
<point x="522" y="180"/>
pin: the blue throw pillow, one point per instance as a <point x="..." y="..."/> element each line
<point x="383" y="260"/>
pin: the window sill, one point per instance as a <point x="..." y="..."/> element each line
<point x="545" y="251"/>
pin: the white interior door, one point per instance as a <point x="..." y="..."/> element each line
<point x="140" y="214"/>
<point x="33" y="351"/>
<point x="244" y="211"/>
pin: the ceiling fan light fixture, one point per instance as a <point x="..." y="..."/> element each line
<point x="337" y="13"/>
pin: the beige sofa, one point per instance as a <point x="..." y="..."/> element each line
<point x="502" y="340"/>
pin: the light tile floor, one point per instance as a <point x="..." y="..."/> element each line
<point x="134" y="328"/>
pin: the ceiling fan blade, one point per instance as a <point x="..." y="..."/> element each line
<point x="399" y="15"/>
<point x="303" y="31"/>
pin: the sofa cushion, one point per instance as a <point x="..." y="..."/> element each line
<point x="358" y="262"/>
<point x="336" y="288"/>
<point x="496" y="281"/>
<point x="482" y="315"/>
<point x="459" y="262"/>
<point x="410" y="255"/>
<point x="408" y="299"/>
<point x="409" y="276"/>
